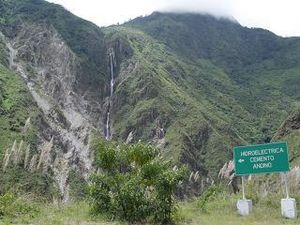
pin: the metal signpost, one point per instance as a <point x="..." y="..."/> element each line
<point x="263" y="158"/>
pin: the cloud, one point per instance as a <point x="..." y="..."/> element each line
<point x="113" y="11"/>
<point x="279" y="16"/>
<point x="215" y="7"/>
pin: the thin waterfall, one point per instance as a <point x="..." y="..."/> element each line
<point x="107" y="135"/>
<point x="107" y="129"/>
<point x="111" y="59"/>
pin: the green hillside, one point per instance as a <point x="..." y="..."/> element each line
<point x="223" y="41"/>
<point x="208" y="83"/>
<point x="16" y="106"/>
<point x="207" y="100"/>
<point x="245" y="77"/>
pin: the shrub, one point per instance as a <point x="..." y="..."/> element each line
<point x="134" y="184"/>
<point x="12" y="207"/>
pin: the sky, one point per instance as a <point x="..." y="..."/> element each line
<point x="279" y="16"/>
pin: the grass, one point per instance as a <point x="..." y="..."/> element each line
<point x="223" y="212"/>
<point x="218" y="211"/>
<point x="69" y="214"/>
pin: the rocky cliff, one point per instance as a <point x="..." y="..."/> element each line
<point x="49" y="69"/>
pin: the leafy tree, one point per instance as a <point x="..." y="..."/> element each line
<point x="133" y="183"/>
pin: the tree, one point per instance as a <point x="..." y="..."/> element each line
<point x="134" y="184"/>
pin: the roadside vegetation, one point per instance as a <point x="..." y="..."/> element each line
<point x="216" y="206"/>
<point x="132" y="184"/>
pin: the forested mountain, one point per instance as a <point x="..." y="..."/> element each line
<point x="192" y="84"/>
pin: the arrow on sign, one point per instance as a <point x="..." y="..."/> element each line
<point x="241" y="160"/>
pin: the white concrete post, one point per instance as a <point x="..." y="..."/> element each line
<point x="244" y="206"/>
<point x="288" y="205"/>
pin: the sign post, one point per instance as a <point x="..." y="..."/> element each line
<point x="243" y="187"/>
<point x="286" y="186"/>
<point x="263" y="158"/>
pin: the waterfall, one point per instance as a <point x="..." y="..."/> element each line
<point x="107" y="128"/>
<point x="111" y="59"/>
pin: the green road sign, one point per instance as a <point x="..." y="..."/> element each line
<point x="264" y="158"/>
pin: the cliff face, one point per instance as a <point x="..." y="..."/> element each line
<point x="49" y="69"/>
<point x="71" y="113"/>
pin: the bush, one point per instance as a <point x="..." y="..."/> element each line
<point x="12" y="207"/>
<point x="134" y="184"/>
<point x="20" y="181"/>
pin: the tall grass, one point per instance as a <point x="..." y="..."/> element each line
<point x="18" y="155"/>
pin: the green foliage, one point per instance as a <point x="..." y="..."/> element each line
<point x="78" y="186"/>
<point x="252" y="192"/>
<point x="271" y="200"/>
<point x="13" y="207"/>
<point x="135" y="184"/>
<point x="210" y="194"/>
<point x="16" y="179"/>
<point x="16" y="106"/>
<point x="19" y="174"/>
<point x="3" y="54"/>
<point x="50" y="214"/>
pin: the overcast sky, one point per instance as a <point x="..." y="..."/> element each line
<point x="280" y="16"/>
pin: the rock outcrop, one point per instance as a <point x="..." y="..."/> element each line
<point x="50" y="68"/>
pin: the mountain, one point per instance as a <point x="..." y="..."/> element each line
<point x="234" y="77"/>
<point x="192" y="84"/>
<point x="63" y="80"/>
